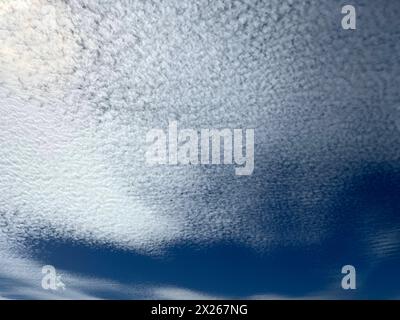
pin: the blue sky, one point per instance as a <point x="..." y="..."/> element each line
<point x="236" y="271"/>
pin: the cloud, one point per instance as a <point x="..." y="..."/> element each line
<point x="81" y="83"/>
<point x="53" y="178"/>
<point x="73" y="126"/>
<point x="174" y="293"/>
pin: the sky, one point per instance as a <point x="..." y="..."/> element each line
<point x="82" y="82"/>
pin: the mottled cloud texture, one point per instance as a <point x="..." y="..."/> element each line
<point x="82" y="82"/>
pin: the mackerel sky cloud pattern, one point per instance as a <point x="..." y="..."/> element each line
<point x="82" y="82"/>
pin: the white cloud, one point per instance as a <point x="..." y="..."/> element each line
<point x="76" y="104"/>
<point x="80" y="87"/>
<point x="175" y="293"/>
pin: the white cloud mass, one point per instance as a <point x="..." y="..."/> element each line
<point x="81" y="82"/>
